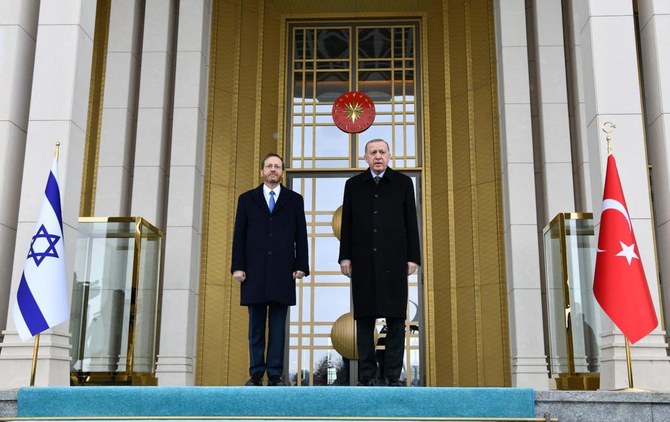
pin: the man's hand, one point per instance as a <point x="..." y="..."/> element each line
<point x="345" y="267"/>
<point x="240" y="276"/>
<point x="298" y="274"/>
<point x="411" y="268"/>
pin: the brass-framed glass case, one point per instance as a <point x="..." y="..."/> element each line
<point x="116" y="302"/>
<point x="572" y="313"/>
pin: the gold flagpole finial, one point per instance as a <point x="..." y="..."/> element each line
<point x="608" y="128"/>
<point x="57" y="149"/>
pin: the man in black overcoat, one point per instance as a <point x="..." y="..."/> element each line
<point x="379" y="249"/>
<point x="269" y="253"/>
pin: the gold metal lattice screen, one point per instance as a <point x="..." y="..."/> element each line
<point x="328" y="61"/>
<point x="324" y="62"/>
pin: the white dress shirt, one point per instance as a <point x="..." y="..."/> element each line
<point x="266" y="193"/>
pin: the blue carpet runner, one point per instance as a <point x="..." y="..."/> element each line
<point x="276" y="401"/>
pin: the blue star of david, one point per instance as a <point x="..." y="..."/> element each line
<point x="50" y="251"/>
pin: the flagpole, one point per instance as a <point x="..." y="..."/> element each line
<point x="36" y="345"/>
<point x="629" y="364"/>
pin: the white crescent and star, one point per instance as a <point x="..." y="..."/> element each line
<point x="627" y="251"/>
<point x="612" y="204"/>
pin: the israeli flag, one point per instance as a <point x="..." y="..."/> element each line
<point x="42" y="297"/>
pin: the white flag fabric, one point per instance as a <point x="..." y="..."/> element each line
<point x="42" y="297"/>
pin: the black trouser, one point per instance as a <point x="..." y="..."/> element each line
<point x="395" y="348"/>
<point x="274" y="364"/>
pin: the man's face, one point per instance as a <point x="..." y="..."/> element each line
<point x="377" y="156"/>
<point x="272" y="170"/>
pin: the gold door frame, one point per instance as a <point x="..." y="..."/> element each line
<point x="306" y="336"/>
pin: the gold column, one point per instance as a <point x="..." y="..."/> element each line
<point x="466" y="288"/>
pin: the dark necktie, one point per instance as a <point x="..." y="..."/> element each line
<point x="377" y="179"/>
<point x="271" y="205"/>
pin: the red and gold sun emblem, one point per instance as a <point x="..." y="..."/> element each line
<point x="353" y="112"/>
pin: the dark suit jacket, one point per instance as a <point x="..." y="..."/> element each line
<point x="379" y="235"/>
<point x="269" y="247"/>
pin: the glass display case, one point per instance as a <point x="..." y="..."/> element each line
<point x="573" y="315"/>
<point x="116" y="302"/>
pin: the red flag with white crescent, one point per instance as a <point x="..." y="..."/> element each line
<point x="620" y="285"/>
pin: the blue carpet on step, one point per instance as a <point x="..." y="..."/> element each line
<point x="276" y="401"/>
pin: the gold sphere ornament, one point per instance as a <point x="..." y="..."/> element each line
<point x="336" y="224"/>
<point x="343" y="336"/>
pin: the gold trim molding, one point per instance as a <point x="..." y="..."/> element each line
<point x="95" y="102"/>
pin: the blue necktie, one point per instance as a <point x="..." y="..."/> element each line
<point x="271" y="205"/>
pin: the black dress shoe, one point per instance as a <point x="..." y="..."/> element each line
<point x="395" y="383"/>
<point x="276" y="382"/>
<point x="366" y="382"/>
<point x="254" y="381"/>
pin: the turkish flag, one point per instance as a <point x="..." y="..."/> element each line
<point x="620" y="285"/>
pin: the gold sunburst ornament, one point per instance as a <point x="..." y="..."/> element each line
<point x="353" y="112"/>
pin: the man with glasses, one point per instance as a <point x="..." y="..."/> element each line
<point x="269" y="253"/>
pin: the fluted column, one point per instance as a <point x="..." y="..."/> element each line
<point x="154" y="116"/>
<point x="577" y="109"/>
<point x="18" y="30"/>
<point x="182" y="247"/>
<point x="654" y="32"/>
<point x="529" y="366"/>
<point x="552" y="111"/>
<point x="119" y="110"/>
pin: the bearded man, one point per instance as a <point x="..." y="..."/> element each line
<point x="269" y="254"/>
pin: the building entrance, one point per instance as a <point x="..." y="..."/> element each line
<point x="325" y="60"/>
<point x="430" y="68"/>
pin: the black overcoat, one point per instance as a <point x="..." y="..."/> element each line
<point x="379" y="235"/>
<point x="269" y="247"/>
